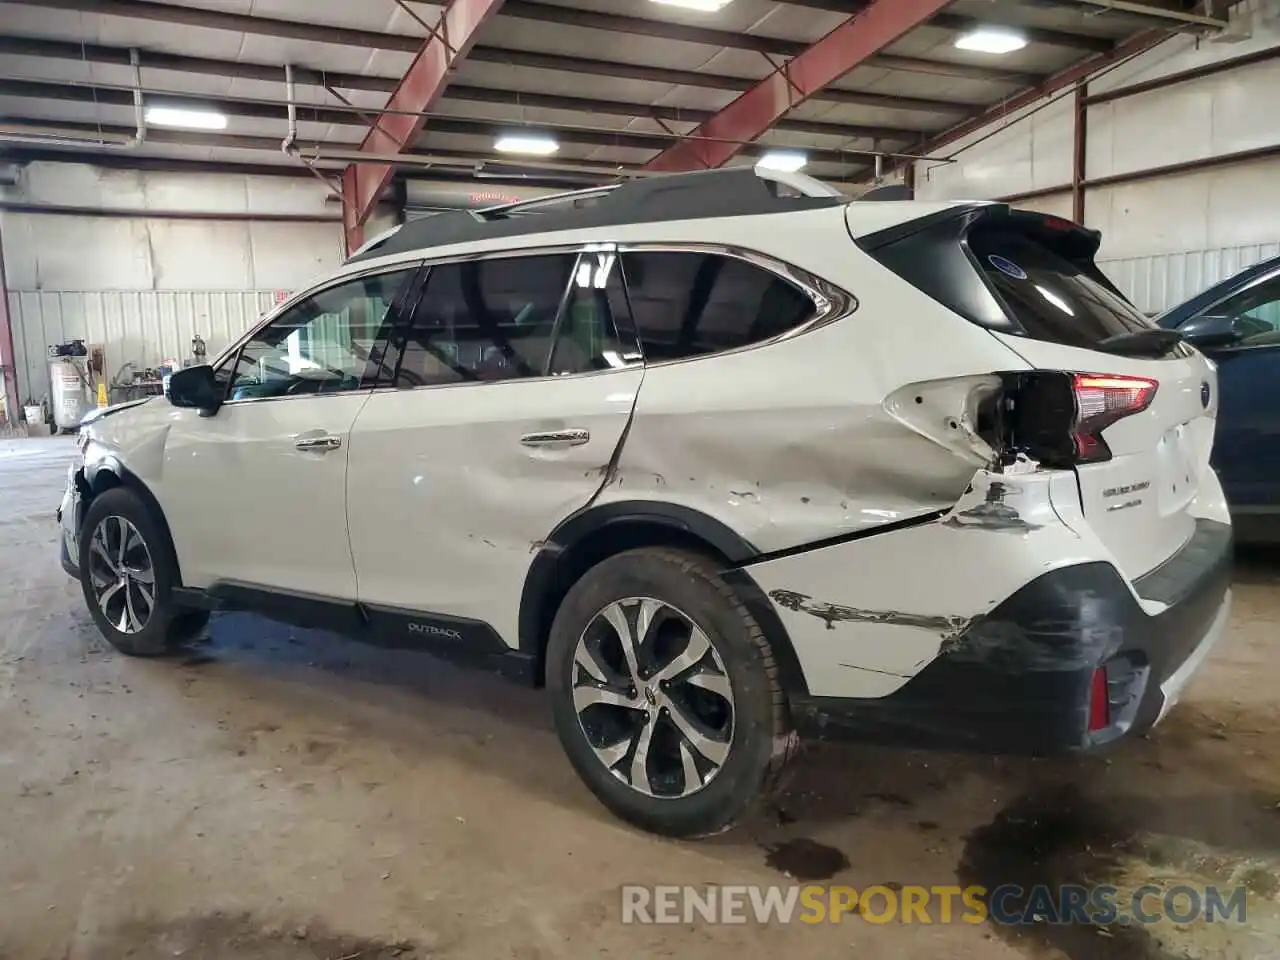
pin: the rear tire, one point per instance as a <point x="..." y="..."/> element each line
<point x="681" y="736"/>
<point x="128" y="571"/>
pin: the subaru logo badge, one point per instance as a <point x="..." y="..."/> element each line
<point x="1204" y="394"/>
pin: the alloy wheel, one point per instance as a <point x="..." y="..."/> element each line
<point x="122" y="574"/>
<point x="653" y="697"/>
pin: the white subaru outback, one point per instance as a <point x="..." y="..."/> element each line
<point x="719" y="458"/>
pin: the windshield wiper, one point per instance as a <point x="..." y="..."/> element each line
<point x="1136" y="343"/>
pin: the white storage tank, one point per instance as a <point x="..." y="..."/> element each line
<point x="70" y="402"/>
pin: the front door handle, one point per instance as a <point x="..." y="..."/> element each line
<point x="319" y="444"/>
<point x="557" y="438"/>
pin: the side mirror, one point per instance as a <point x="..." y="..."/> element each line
<point x="195" y="388"/>
<point x="1211" y="331"/>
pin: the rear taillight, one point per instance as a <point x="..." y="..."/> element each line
<point x="1056" y="417"/>
<point x="1101" y="400"/>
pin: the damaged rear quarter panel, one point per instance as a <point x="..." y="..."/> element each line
<point x="796" y="441"/>
<point x="866" y="615"/>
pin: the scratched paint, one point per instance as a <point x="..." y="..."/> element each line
<point x="866" y="614"/>
<point x="833" y="613"/>
<point x="994" y="512"/>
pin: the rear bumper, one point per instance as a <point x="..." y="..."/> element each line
<point x="1018" y="679"/>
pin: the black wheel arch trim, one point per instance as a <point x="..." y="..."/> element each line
<point x="736" y="549"/>
<point x="686" y="523"/>
<point x="131" y="481"/>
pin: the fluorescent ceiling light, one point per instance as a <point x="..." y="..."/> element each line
<point x="191" y="119"/>
<point x="535" y="144"/>
<point x="706" y="6"/>
<point x="991" y="40"/>
<point x="786" y="160"/>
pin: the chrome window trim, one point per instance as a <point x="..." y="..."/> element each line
<point x="549" y="378"/>
<point x="362" y="392"/>
<point x="830" y="302"/>
<point x="541" y="250"/>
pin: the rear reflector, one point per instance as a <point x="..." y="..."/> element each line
<point x="1099" y="705"/>
<point x="1101" y="400"/>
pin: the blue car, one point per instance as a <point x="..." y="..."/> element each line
<point x="1237" y="324"/>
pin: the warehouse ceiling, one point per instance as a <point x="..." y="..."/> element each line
<point x="614" y="82"/>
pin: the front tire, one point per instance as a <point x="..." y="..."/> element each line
<point x="665" y="692"/>
<point x="128" y="572"/>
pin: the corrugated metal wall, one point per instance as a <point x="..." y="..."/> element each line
<point x="140" y="326"/>
<point x="1157" y="283"/>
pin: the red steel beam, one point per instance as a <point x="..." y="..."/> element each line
<point x="755" y="111"/>
<point x="8" y="358"/>
<point x="1079" y="151"/>
<point x="417" y="92"/>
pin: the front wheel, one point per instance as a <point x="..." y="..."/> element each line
<point x="665" y="692"/>
<point x="127" y="574"/>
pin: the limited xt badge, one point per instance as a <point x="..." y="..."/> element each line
<point x="1130" y="488"/>
<point x="1205" y="394"/>
<point x="1112" y="492"/>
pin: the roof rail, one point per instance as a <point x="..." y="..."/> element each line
<point x="729" y="192"/>
<point x="890" y="191"/>
<point x="569" y="197"/>
<point x="802" y="183"/>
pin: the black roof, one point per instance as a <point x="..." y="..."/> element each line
<point x="736" y="192"/>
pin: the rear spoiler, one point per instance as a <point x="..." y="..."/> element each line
<point x="1077" y="242"/>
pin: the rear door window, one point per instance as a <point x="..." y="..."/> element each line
<point x="689" y="304"/>
<point x="1050" y="297"/>
<point x="485" y="320"/>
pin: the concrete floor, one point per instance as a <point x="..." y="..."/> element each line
<point x="275" y="794"/>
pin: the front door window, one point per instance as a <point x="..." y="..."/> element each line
<point x="325" y="344"/>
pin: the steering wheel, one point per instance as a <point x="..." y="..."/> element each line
<point x="1251" y="326"/>
<point x="301" y="382"/>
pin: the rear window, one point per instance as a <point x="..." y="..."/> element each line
<point x="1051" y="298"/>
<point x="1013" y="271"/>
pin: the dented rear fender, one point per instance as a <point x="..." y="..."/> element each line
<point x="865" y="615"/>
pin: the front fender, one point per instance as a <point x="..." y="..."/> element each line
<point x="127" y="449"/>
<point x="130" y="439"/>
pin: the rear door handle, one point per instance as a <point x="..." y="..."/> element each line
<point x="557" y="438"/>
<point x="319" y="444"/>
